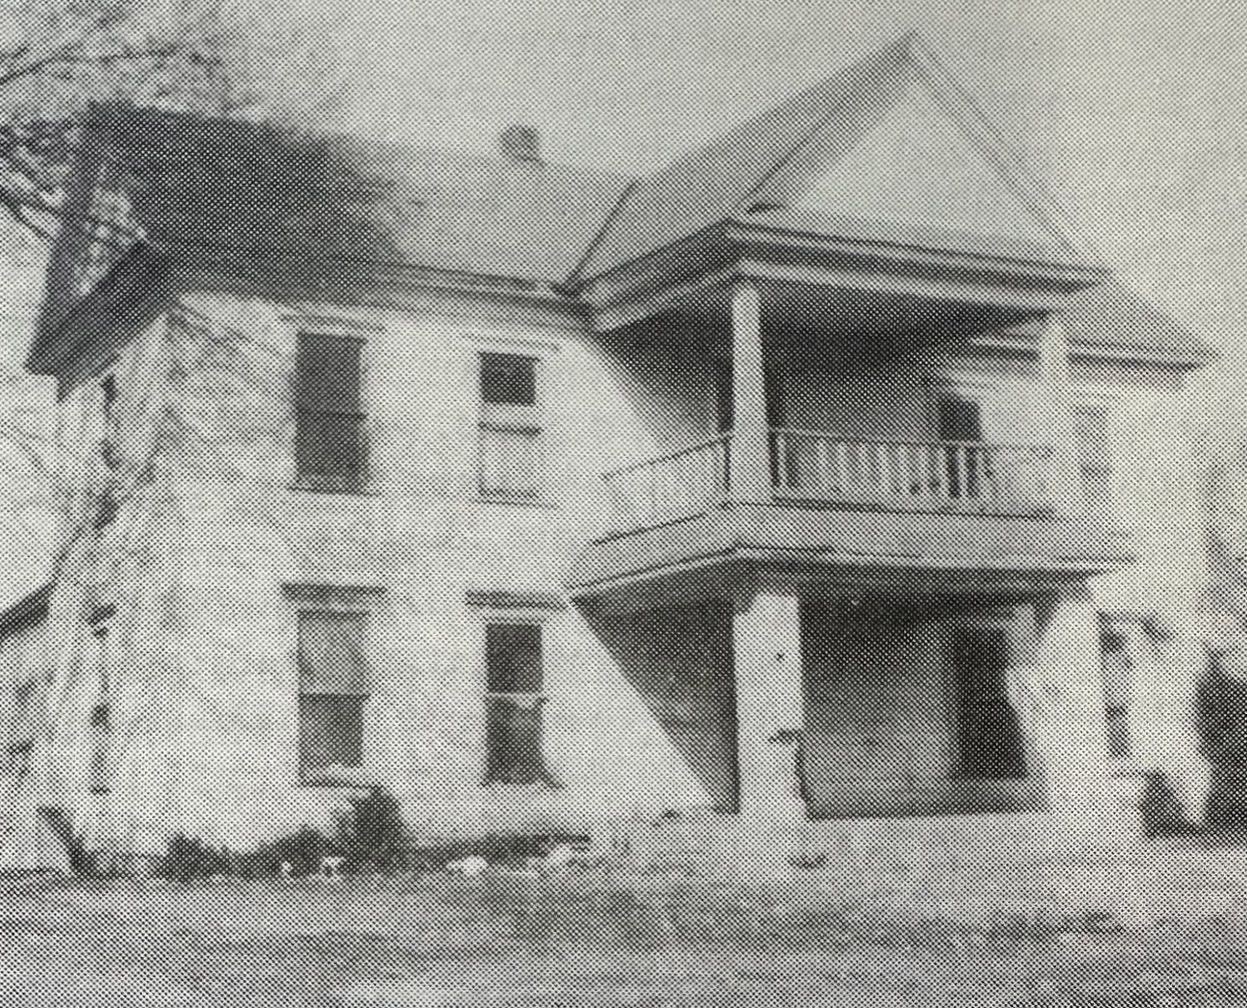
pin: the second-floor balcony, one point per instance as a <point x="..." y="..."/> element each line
<point x="820" y="469"/>
<point x="856" y="495"/>
<point x="803" y="506"/>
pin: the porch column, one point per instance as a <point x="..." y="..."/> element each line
<point x="1064" y="478"/>
<point x="769" y="705"/>
<point x="749" y="469"/>
<point x="1072" y="723"/>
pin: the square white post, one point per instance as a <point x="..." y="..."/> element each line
<point x="1063" y="477"/>
<point x="749" y="467"/>
<point x="769" y="706"/>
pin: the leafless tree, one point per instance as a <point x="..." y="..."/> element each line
<point x="56" y="56"/>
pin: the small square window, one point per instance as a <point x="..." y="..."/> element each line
<point x="508" y="379"/>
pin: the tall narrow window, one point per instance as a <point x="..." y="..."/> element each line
<point x="509" y="461"/>
<point x="1116" y="670"/>
<point x="330" y="449"/>
<point x="333" y="686"/>
<point x="513" y="704"/>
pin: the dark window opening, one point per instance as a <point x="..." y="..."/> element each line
<point x="1116" y="671"/>
<point x="331" y="734"/>
<point x="508" y="379"/>
<point x="101" y="735"/>
<point x="108" y="386"/>
<point x="509" y="441"/>
<point x="513" y="742"/>
<point x="960" y="420"/>
<point x="330" y="446"/>
<point x="960" y="423"/>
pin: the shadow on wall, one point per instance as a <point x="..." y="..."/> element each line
<point x="1221" y="725"/>
<point x="679" y="660"/>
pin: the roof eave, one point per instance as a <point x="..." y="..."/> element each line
<point x="1013" y="267"/>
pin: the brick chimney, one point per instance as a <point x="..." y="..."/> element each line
<point x="520" y="142"/>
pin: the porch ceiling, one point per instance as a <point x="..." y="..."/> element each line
<point x="831" y="321"/>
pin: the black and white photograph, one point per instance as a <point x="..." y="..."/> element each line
<point x="637" y="504"/>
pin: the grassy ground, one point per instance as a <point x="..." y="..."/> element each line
<point x="1166" y="930"/>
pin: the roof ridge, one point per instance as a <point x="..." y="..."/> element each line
<point x="972" y="121"/>
<point x="846" y="74"/>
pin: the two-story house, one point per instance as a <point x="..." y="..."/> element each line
<point x="765" y="484"/>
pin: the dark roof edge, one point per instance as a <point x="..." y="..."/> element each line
<point x="27" y="611"/>
<point x="1185" y="358"/>
<point x="105" y="309"/>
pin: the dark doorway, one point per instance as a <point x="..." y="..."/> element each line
<point x="961" y="425"/>
<point x="988" y="732"/>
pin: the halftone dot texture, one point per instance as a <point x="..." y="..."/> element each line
<point x="946" y="687"/>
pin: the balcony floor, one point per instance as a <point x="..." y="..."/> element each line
<point x="906" y="550"/>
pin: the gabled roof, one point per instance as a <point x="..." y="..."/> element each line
<point x="1112" y="320"/>
<point x="891" y="149"/>
<point x="239" y="188"/>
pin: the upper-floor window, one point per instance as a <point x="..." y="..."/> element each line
<point x="509" y="447"/>
<point x="330" y="448"/>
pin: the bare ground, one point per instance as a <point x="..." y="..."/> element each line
<point x="1167" y="926"/>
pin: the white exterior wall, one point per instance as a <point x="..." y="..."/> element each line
<point x="423" y="536"/>
<point x="1158" y="499"/>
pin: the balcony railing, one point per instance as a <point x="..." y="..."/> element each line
<point x="683" y="482"/>
<point x="962" y="475"/>
<point x="818" y="468"/>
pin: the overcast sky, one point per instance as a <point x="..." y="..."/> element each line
<point x="1133" y="113"/>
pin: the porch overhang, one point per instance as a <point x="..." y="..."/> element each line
<point x="719" y="550"/>
<point x="1001" y="284"/>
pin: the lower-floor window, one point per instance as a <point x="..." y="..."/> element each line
<point x="333" y="688"/>
<point x="513" y="703"/>
<point x="331" y="733"/>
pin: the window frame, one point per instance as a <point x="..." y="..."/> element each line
<point x="321" y="599"/>
<point x="500" y="607"/>
<point x="358" y="480"/>
<point x="497" y="419"/>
